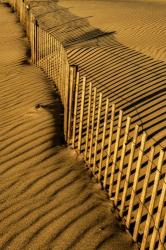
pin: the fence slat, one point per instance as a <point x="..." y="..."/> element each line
<point x="92" y="126"/>
<point x="75" y="109"/>
<point x="81" y="114"/>
<point x="109" y="145"/>
<point x="143" y="195"/>
<point x="66" y="98"/>
<point x="152" y="201"/>
<point x="88" y="120"/>
<point x="158" y="216"/>
<point x="103" y="138"/>
<point x="122" y="160"/>
<point x="71" y="90"/>
<point x="113" y="167"/>
<point x="135" y="182"/>
<point x="131" y="157"/>
<point x="162" y="235"/>
<point x="97" y="131"/>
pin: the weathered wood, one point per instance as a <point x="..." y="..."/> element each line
<point x="136" y="177"/>
<point x="152" y="201"/>
<point x="97" y="131"/>
<point x="162" y="235"/>
<point x="129" y="167"/>
<point x="158" y="216"/>
<point x="122" y="160"/>
<point x="103" y="138"/>
<point x="92" y="125"/>
<point x="109" y="145"/>
<point x="143" y="195"/>
<point x="71" y="90"/>
<point x="81" y="114"/>
<point x="88" y="120"/>
<point x="66" y="101"/>
<point x="75" y="109"/>
<point x="113" y="167"/>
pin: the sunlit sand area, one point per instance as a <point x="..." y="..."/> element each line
<point x="47" y="200"/>
<point x="137" y="24"/>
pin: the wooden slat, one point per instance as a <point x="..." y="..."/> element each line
<point x="131" y="157"/>
<point x="88" y="120"/>
<point x="66" y="99"/>
<point x="81" y="115"/>
<point x="143" y="195"/>
<point x="109" y="145"/>
<point x="92" y="126"/>
<point x="103" y="138"/>
<point x="71" y="87"/>
<point x="97" y="131"/>
<point x="113" y="166"/>
<point x="162" y="235"/>
<point x="135" y="182"/>
<point x="75" y="109"/>
<point x="122" y="160"/>
<point x="152" y="201"/>
<point x="158" y="216"/>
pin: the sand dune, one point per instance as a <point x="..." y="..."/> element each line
<point x="47" y="200"/>
<point x="129" y="77"/>
<point x="139" y="25"/>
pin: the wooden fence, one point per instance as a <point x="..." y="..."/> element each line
<point x="130" y="170"/>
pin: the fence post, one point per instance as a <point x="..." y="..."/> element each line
<point x="109" y="145"/>
<point x="32" y="39"/>
<point x="152" y="201"/>
<point x="97" y="131"/>
<point x="37" y="46"/>
<point x="113" y="167"/>
<point x="158" y="216"/>
<point x="66" y="103"/>
<point x="72" y="72"/>
<point x="103" y="138"/>
<point x="143" y="195"/>
<point x="35" y="42"/>
<point x="133" y="144"/>
<point x="122" y="160"/>
<point x="81" y="114"/>
<point x="88" y="119"/>
<point x="92" y="126"/>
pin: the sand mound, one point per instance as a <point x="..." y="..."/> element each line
<point x="47" y="200"/>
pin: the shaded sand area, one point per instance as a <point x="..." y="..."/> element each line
<point x="47" y="200"/>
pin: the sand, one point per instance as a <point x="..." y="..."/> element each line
<point x="139" y="25"/>
<point x="120" y="47"/>
<point x="47" y="200"/>
<point x="123" y="57"/>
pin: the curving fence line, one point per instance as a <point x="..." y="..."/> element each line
<point x="117" y="154"/>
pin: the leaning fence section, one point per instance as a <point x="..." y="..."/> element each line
<point x="113" y="147"/>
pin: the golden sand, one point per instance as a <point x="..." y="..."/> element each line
<point x="47" y="200"/>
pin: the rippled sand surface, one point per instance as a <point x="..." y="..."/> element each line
<point x="138" y="24"/>
<point x="47" y="200"/>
